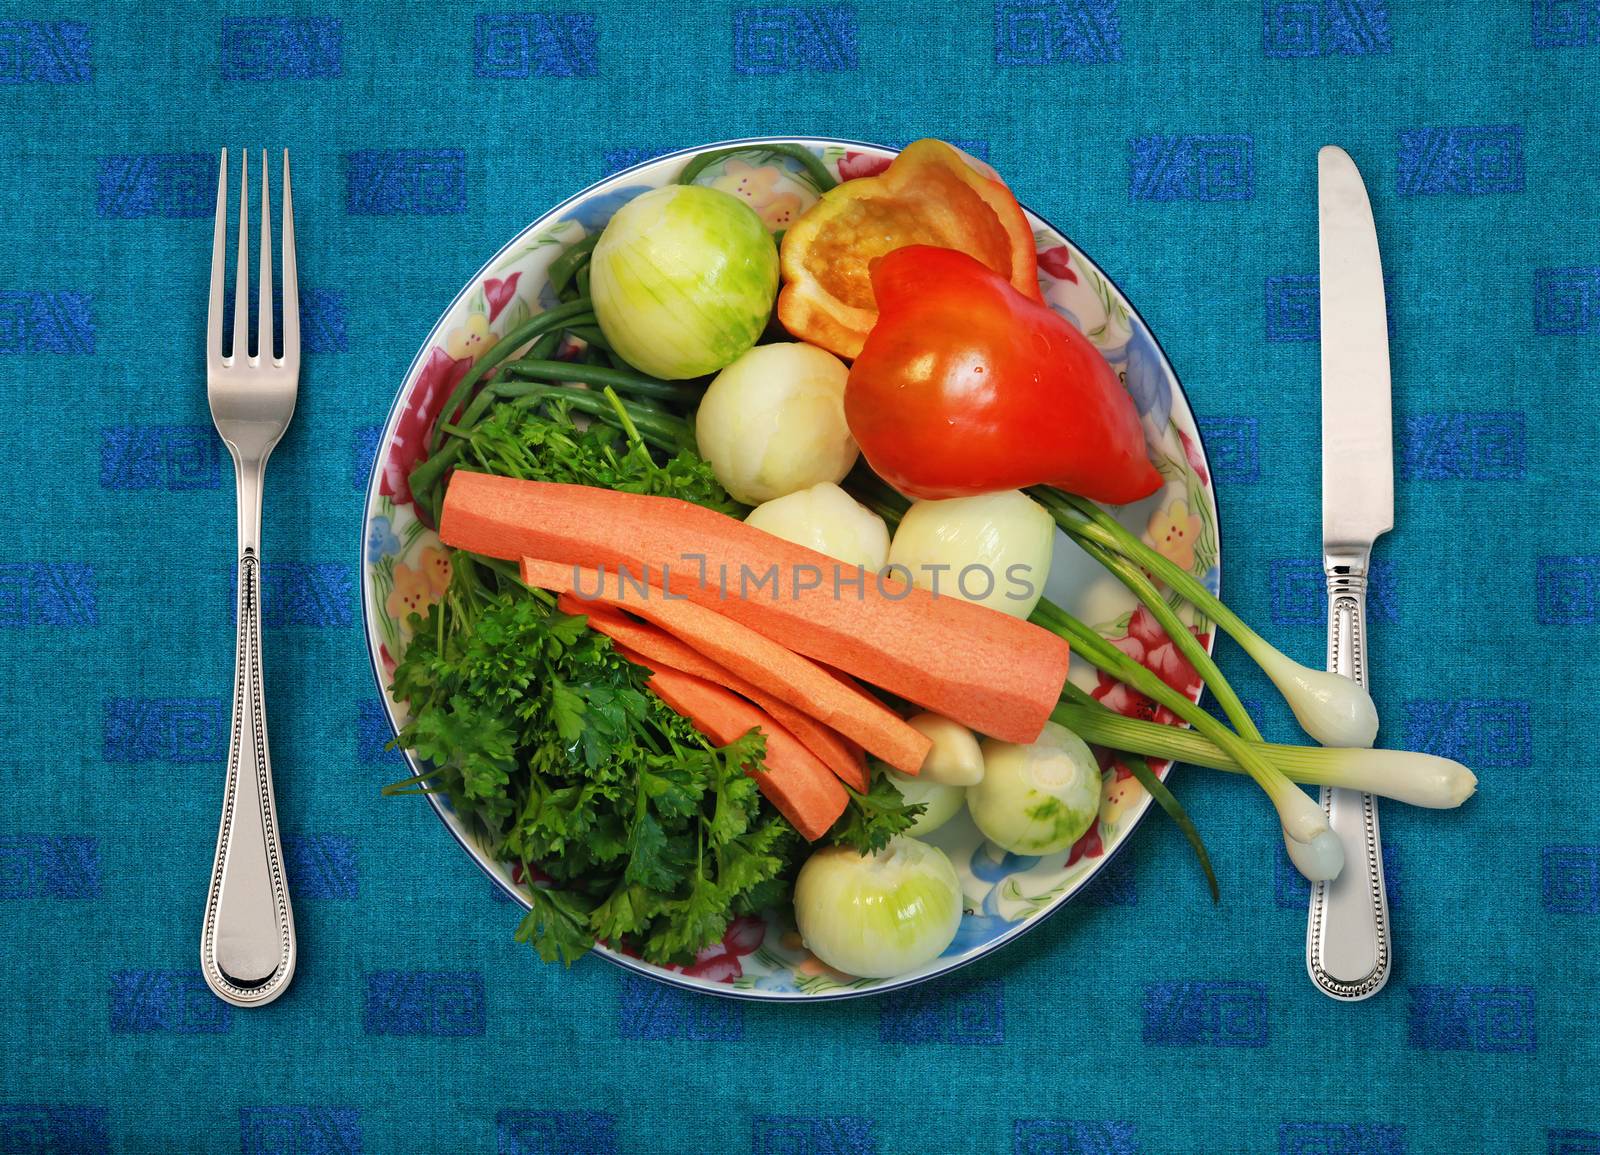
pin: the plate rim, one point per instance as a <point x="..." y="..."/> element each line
<point x="617" y="958"/>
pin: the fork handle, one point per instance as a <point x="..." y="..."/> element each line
<point x="1348" y="951"/>
<point x="247" y="946"/>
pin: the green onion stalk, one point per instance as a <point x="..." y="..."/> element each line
<point x="1318" y="851"/>
<point x="1419" y="779"/>
<point x="1334" y="710"/>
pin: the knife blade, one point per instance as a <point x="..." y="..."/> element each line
<point x="1348" y="947"/>
<point x="1357" y="430"/>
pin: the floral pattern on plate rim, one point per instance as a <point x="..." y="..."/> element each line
<point x="405" y="569"/>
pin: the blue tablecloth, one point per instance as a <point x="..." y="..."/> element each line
<point x="1177" y="144"/>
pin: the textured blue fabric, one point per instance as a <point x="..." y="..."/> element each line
<point x="1176" y="142"/>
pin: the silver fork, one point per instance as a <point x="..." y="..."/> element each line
<point x="247" y="946"/>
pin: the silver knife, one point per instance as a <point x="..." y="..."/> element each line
<point x="1348" y="947"/>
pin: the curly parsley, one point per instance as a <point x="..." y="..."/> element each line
<point x="547" y="739"/>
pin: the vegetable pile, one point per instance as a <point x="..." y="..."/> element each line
<point x="695" y="660"/>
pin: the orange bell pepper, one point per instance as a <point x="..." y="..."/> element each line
<point x="929" y="195"/>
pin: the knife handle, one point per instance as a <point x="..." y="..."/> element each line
<point x="1348" y="950"/>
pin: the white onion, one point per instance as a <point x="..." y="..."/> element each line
<point x="993" y="549"/>
<point x="1039" y="798"/>
<point x="942" y="802"/>
<point x="880" y="914"/>
<point x="773" y="422"/>
<point x="683" y="280"/>
<point x="827" y="519"/>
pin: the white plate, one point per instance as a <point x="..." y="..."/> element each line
<point x="1005" y="895"/>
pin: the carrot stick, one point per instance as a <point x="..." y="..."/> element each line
<point x="839" y="754"/>
<point x="990" y="671"/>
<point x="801" y="787"/>
<point x="764" y="663"/>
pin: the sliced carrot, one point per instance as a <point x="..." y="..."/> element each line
<point x="760" y="661"/>
<point x="844" y="757"/>
<point x="985" y="669"/>
<point x="795" y="781"/>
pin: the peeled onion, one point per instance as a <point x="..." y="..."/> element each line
<point x="993" y="549"/>
<point x="772" y="423"/>
<point x="683" y="279"/>
<point x="955" y="758"/>
<point x="878" y="915"/>
<point x="1038" y="798"/>
<point x="941" y="802"/>
<point x="827" y="519"/>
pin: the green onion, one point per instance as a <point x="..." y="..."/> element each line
<point x="1302" y="818"/>
<point x="1419" y="779"/>
<point x="1333" y="709"/>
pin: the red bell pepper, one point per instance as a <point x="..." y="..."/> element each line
<point x="966" y="386"/>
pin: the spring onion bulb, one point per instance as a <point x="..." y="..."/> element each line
<point x="1304" y="822"/>
<point x="1419" y="779"/>
<point x="1333" y="709"/>
<point x="1320" y="860"/>
<point x="955" y="758"/>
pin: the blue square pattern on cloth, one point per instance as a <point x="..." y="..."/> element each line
<point x="1176" y="143"/>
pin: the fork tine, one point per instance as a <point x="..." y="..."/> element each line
<point x="219" y="264"/>
<point x="264" y="301"/>
<point x="241" y="274"/>
<point x="291" y="284"/>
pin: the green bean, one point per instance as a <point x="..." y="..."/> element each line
<point x="502" y="349"/>
<point x="808" y="160"/>
<point x="666" y="435"/>
<point x="544" y="348"/>
<point x="582" y="280"/>
<point x="528" y="369"/>
<point x="590" y="334"/>
<point x="565" y="267"/>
